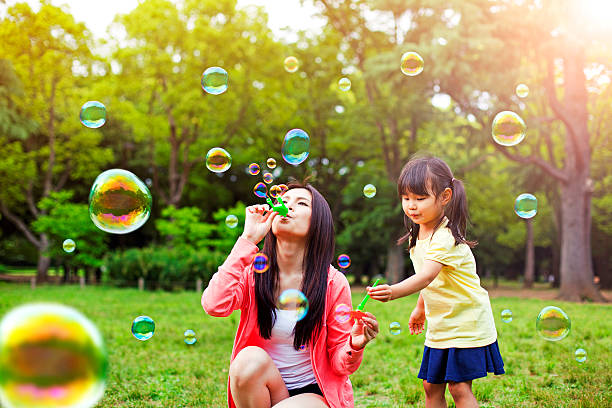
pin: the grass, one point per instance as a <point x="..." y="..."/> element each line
<point x="164" y="372"/>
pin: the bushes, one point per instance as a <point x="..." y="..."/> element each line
<point x="161" y="267"/>
<point x="193" y="250"/>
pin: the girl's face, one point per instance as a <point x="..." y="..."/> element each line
<point x="297" y="221"/>
<point x="425" y="209"/>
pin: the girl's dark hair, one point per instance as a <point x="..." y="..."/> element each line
<point x="320" y="247"/>
<point x="430" y="176"/>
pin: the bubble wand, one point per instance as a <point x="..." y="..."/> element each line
<point x="281" y="208"/>
<point x="358" y="313"/>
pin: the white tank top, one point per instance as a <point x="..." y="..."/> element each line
<point x="295" y="366"/>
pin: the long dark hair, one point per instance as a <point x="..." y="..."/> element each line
<point x="430" y="176"/>
<point x="320" y="247"/>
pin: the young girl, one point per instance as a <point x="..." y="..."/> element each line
<point x="461" y="340"/>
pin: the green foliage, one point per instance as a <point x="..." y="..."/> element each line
<point x="538" y="373"/>
<point x="63" y="220"/>
<point x="193" y="250"/>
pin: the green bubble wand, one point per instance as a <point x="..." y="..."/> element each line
<point x="358" y="313"/>
<point x="281" y="208"/>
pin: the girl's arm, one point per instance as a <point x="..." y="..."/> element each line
<point x="421" y="302"/>
<point x="413" y="284"/>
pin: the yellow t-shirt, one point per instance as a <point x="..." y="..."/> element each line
<point x="457" y="308"/>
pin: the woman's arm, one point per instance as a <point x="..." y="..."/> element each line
<point x="226" y="289"/>
<point x="344" y="356"/>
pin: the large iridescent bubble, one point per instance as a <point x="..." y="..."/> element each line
<point x="296" y="146"/>
<point x="412" y="63"/>
<point x="218" y="160"/>
<point x="119" y="202"/>
<point x="526" y="206"/>
<point x="93" y="114"/>
<point x="214" y="80"/>
<point x="553" y="324"/>
<point x="260" y="190"/>
<point x="51" y="356"/>
<point x="508" y="128"/>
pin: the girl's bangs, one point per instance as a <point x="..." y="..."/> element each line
<point x="414" y="179"/>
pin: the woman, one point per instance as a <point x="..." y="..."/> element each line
<point x="276" y="361"/>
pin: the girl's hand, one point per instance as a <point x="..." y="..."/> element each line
<point x="258" y="222"/>
<point x="417" y="320"/>
<point x="364" y="330"/>
<point x="382" y="293"/>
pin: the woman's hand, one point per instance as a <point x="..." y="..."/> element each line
<point x="258" y="222"/>
<point x="417" y="320"/>
<point x="364" y="330"/>
<point x="382" y="293"/>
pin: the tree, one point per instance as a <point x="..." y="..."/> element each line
<point x="65" y="220"/>
<point x="44" y="47"/>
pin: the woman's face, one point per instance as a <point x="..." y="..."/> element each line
<point x="297" y="222"/>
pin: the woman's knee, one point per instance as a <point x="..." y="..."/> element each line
<point x="248" y="365"/>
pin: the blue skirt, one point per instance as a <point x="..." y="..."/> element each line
<point x="460" y="364"/>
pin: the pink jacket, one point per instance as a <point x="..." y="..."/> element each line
<point x="333" y="359"/>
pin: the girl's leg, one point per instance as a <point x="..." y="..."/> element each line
<point x="255" y="381"/>
<point x="462" y="394"/>
<point x="434" y="395"/>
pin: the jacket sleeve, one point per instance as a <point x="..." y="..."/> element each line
<point x="227" y="289"/>
<point x="343" y="358"/>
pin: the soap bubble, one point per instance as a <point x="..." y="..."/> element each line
<point x="51" y="356"/>
<point x="260" y="262"/>
<point x="190" y="337"/>
<point x="526" y="205"/>
<point x="69" y="245"/>
<point x="580" y="355"/>
<point x="214" y="80"/>
<point x="395" y="328"/>
<point x="339" y="109"/>
<point x="342" y="313"/>
<point x="553" y="324"/>
<point x="369" y="190"/>
<point x="508" y="128"/>
<point x="93" y="114"/>
<point x="295" y="301"/>
<point x="291" y="64"/>
<point x="218" y="160"/>
<point x="253" y="169"/>
<point x="344" y="84"/>
<point x="268" y="178"/>
<point x="412" y="63"/>
<point x="271" y="163"/>
<point x="119" y="202"/>
<point x="143" y="328"/>
<point x="296" y="146"/>
<point x="522" y="90"/>
<point x="275" y="191"/>
<point x="260" y="190"/>
<point x="506" y="315"/>
<point x="231" y="221"/>
<point x="283" y="188"/>
<point x="344" y="261"/>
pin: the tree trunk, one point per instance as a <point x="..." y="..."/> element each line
<point x="395" y="263"/>
<point x="529" y="255"/>
<point x="42" y="268"/>
<point x="576" y="266"/>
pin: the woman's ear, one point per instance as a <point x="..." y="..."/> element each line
<point x="446" y="195"/>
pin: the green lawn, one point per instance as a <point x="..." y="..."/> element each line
<point x="164" y="372"/>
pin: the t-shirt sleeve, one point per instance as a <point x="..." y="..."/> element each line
<point x="442" y="249"/>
